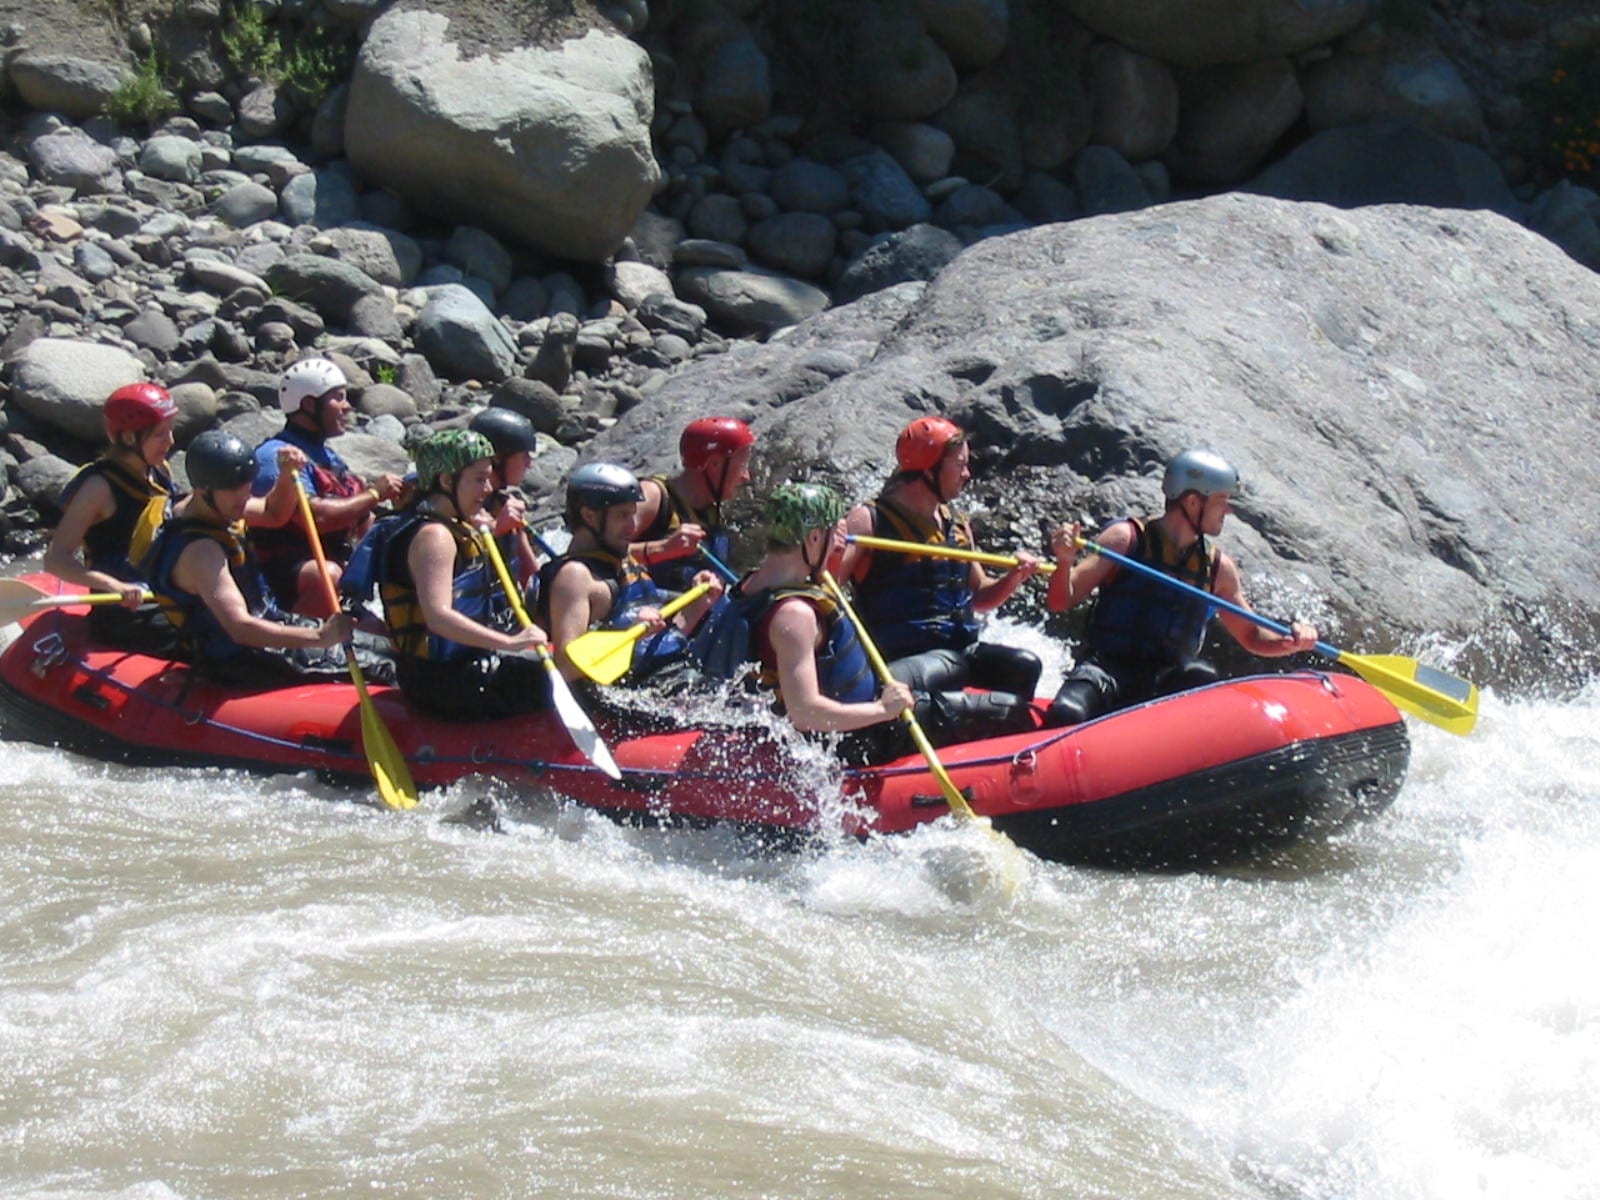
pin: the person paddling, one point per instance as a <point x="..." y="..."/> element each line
<point x="923" y="611"/>
<point x="204" y="574"/>
<point x="440" y="593"/>
<point x="598" y="583"/>
<point x="679" y="515"/>
<point x="515" y="442"/>
<point x="313" y="394"/>
<point x="780" y="617"/>
<point x="110" y="512"/>
<point x="1144" y="637"/>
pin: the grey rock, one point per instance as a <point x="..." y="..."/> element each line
<point x="324" y="198"/>
<point x="152" y="330"/>
<point x="735" y="89"/>
<point x="526" y="299"/>
<point x="380" y="399"/>
<point x="718" y="218"/>
<point x="534" y="399"/>
<point x="64" y="383"/>
<point x="246" y="204"/>
<point x="72" y="159"/>
<point x="264" y="112"/>
<point x="479" y="253"/>
<point x="73" y="86"/>
<point x="883" y="193"/>
<point x="794" y="243"/>
<point x="1200" y="33"/>
<point x="1388" y="162"/>
<point x="924" y="151"/>
<point x="454" y="135"/>
<point x="384" y="255"/>
<point x="655" y="238"/>
<point x="631" y="282"/>
<point x="93" y="262"/>
<point x="915" y="254"/>
<point x="171" y="157"/>
<point x="751" y="300"/>
<point x="802" y="185"/>
<point x="278" y="163"/>
<point x="223" y="278"/>
<point x="1135" y="101"/>
<point x="327" y="285"/>
<point x="1106" y="183"/>
<point x="667" y="314"/>
<point x="374" y="316"/>
<point x="43" y="478"/>
<point x="1231" y="117"/>
<point x="212" y="108"/>
<point x="462" y="339"/>
<point x="552" y="363"/>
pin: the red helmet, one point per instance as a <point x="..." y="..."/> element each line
<point x="137" y="407"/>
<point x="922" y="444"/>
<point x="712" y="435"/>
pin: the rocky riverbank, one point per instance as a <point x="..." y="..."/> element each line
<point x="614" y="218"/>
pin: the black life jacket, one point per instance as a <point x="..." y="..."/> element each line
<point x="631" y="589"/>
<point x="201" y="636"/>
<point x="677" y="574"/>
<point x="142" y="504"/>
<point x="912" y="603"/>
<point x="1142" y="620"/>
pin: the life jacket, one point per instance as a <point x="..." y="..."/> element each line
<point x="631" y="589"/>
<point x="141" y="504"/>
<point x="200" y="635"/>
<point x="677" y="574"/>
<point x="331" y="479"/>
<point x="844" y="672"/>
<point x="912" y="603"/>
<point x="1142" y="620"/>
<point x="473" y="585"/>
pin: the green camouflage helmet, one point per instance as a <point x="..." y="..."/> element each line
<point x="447" y="452"/>
<point x="794" y="509"/>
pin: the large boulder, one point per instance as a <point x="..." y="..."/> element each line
<point x="64" y="383"/>
<point x="548" y="147"/>
<point x="1203" y="33"/>
<point x="1404" y="390"/>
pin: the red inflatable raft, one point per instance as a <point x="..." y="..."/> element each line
<point x="1199" y="778"/>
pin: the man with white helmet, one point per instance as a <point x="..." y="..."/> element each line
<point x="1144" y="637"/>
<point x="314" y="398"/>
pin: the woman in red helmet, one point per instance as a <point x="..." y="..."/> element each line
<point x="679" y="515"/>
<point x="111" y="510"/>
<point x="923" y="611"/>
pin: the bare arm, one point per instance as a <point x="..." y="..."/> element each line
<point x="91" y="504"/>
<point x="202" y="569"/>
<point x="431" y="558"/>
<point x="795" y="634"/>
<point x="855" y="561"/>
<point x="1247" y="633"/>
<point x="572" y="600"/>
<point x="1069" y="587"/>
<point x="680" y="543"/>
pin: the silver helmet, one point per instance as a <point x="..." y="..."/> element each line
<point x="1202" y="471"/>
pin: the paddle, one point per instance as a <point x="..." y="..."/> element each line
<point x="952" y="794"/>
<point x="388" y="766"/>
<point x="582" y="731"/>
<point x="19" y="598"/>
<point x="1435" y="696"/>
<point x="723" y="568"/>
<point x="605" y="655"/>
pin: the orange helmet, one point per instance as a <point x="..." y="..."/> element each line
<point x="923" y="444"/>
<point x="712" y="435"/>
<point x="137" y="407"/>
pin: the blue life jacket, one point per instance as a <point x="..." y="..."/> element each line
<point x="141" y="505"/>
<point x="912" y="603"/>
<point x="473" y="585"/>
<point x="677" y="574"/>
<point x="200" y="635"/>
<point x="734" y="635"/>
<point x="631" y="589"/>
<point x="1137" y="619"/>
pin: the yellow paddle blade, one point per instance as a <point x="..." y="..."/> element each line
<point x="605" y="655"/>
<point x="1435" y="696"/>
<point x="390" y="774"/>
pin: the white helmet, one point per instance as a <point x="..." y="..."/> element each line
<point x="306" y="380"/>
<point x="1200" y="471"/>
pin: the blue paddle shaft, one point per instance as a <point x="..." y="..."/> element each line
<point x="1209" y="597"/>
<point x="726" y="571"/>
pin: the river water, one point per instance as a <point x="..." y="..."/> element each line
<point x="214" y="985"/>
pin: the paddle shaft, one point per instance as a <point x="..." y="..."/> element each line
<point x="952" y="794"/>
<point x="933" y="550"/>
<point x="18" y="598"/>
<point x="395" y="786"/>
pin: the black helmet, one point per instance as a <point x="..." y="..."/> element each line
<point x="509" y="432"/>
<point x="602" y="486"/>
<point x="219" y="460"/>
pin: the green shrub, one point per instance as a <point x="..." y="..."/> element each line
<point x="251" y="47"/>
<point x="145" y="98"/>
